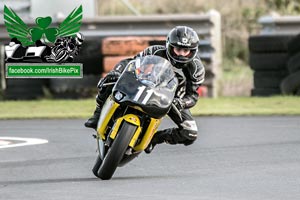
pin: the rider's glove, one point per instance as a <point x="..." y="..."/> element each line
<point x="179" y="103"/>
<point x="112" y="76"/>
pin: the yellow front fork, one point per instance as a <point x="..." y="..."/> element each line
<point x="133" y="119"/>
<point x="154" y="123"/>
<point x="108" y="110"/>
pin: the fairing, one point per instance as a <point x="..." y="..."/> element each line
<point x="149" y="83"/>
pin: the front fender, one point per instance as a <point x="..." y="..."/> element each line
<point x="132" y="119"/>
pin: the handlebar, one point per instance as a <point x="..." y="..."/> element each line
<point x="106" y="84"/>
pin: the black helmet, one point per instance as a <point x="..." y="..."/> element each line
<point x="182" y="37"/>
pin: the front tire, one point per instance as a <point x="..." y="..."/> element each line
<point x="97" y="165"/>
<point x="116" y="151"/>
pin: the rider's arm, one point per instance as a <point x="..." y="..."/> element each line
<point x="115" y="73"/>
<point x="151" y="50"/>
<point x="194" y="73"/>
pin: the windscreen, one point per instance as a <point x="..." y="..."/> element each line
<point x="153" y="71"/>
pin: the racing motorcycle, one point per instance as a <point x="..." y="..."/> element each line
<point x="130" y="117"/>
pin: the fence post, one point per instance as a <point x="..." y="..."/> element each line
<point x="216" y="54"/>
<point x="2" y="68"/>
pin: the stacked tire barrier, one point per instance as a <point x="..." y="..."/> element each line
<point x="25" y="89"/>
<point x="275" y="56"/>
<point x="268" y="59"/>
<point x="74" y="88"/>
<point x="290" y="85"/>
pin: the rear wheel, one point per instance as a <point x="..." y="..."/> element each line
<point x="116" y="151"/>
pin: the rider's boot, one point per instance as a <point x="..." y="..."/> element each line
<point x="101" y="97"/>
<point x="93" y="121"/>
<point x="160" y="137"/>
<point x="172" y="136"/>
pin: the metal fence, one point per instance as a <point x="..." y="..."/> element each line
<point x="279" y="25"/>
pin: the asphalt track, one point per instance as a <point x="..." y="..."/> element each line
<point x="234" y="158"/>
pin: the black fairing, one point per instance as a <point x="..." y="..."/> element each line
<point x="153" y="99"/>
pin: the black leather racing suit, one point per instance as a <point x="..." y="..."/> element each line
<point x="190" y="77"/>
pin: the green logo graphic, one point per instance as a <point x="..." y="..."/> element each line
<point x="27" y="36"/>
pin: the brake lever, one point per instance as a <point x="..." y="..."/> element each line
<point x="110" y="83"/>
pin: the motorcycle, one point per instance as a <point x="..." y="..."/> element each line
<point x="132" y="113"/>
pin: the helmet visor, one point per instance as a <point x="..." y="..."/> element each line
<point x="182" y="55"/>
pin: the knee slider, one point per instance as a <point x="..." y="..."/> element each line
<point x="189" y="136"/>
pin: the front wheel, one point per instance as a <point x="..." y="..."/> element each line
<point x="116" y="151"/>
<point x="97" y="165"/>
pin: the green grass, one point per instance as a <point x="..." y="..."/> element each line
<point x="224" y="106"/>
<point x="46" y="109"/>
<point x="237" y="106"/>
<point x="236" y="78"/>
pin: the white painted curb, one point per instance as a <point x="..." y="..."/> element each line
<point x="24" y="142"/>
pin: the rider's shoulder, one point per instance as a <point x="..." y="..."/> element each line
<point x="195" y="70"/>
<point x="154" y="50"/>
<point x="196" y="63"/>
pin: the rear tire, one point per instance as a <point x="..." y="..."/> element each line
<point x="116" y="151"/>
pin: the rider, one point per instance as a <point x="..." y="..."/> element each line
<point x="182" y="51"/>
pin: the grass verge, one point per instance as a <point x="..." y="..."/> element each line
<point x="239" y="106"/>
<point x="223" y="106"/>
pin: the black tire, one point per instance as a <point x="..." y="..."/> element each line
<point x="25" y="89"/>
<point x="97" y="165"/>
<point x="268" y="61"/>
<point x="127" y="158"/>
<point x="293" y="64"/>
<point x="265" y="92"/>
<point x="293" y="45"/>
<point x="269" y="43"/>
<point x="291" y="84"/>
<point x="74" y="88"/>
<point x="90" y="56"/>
<point x="269" y="79"/>
<point x="116" y="151"/>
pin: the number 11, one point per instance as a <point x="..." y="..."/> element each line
<point x="140" y="92"/>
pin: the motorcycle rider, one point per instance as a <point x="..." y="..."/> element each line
<point x="182" y="51"/>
